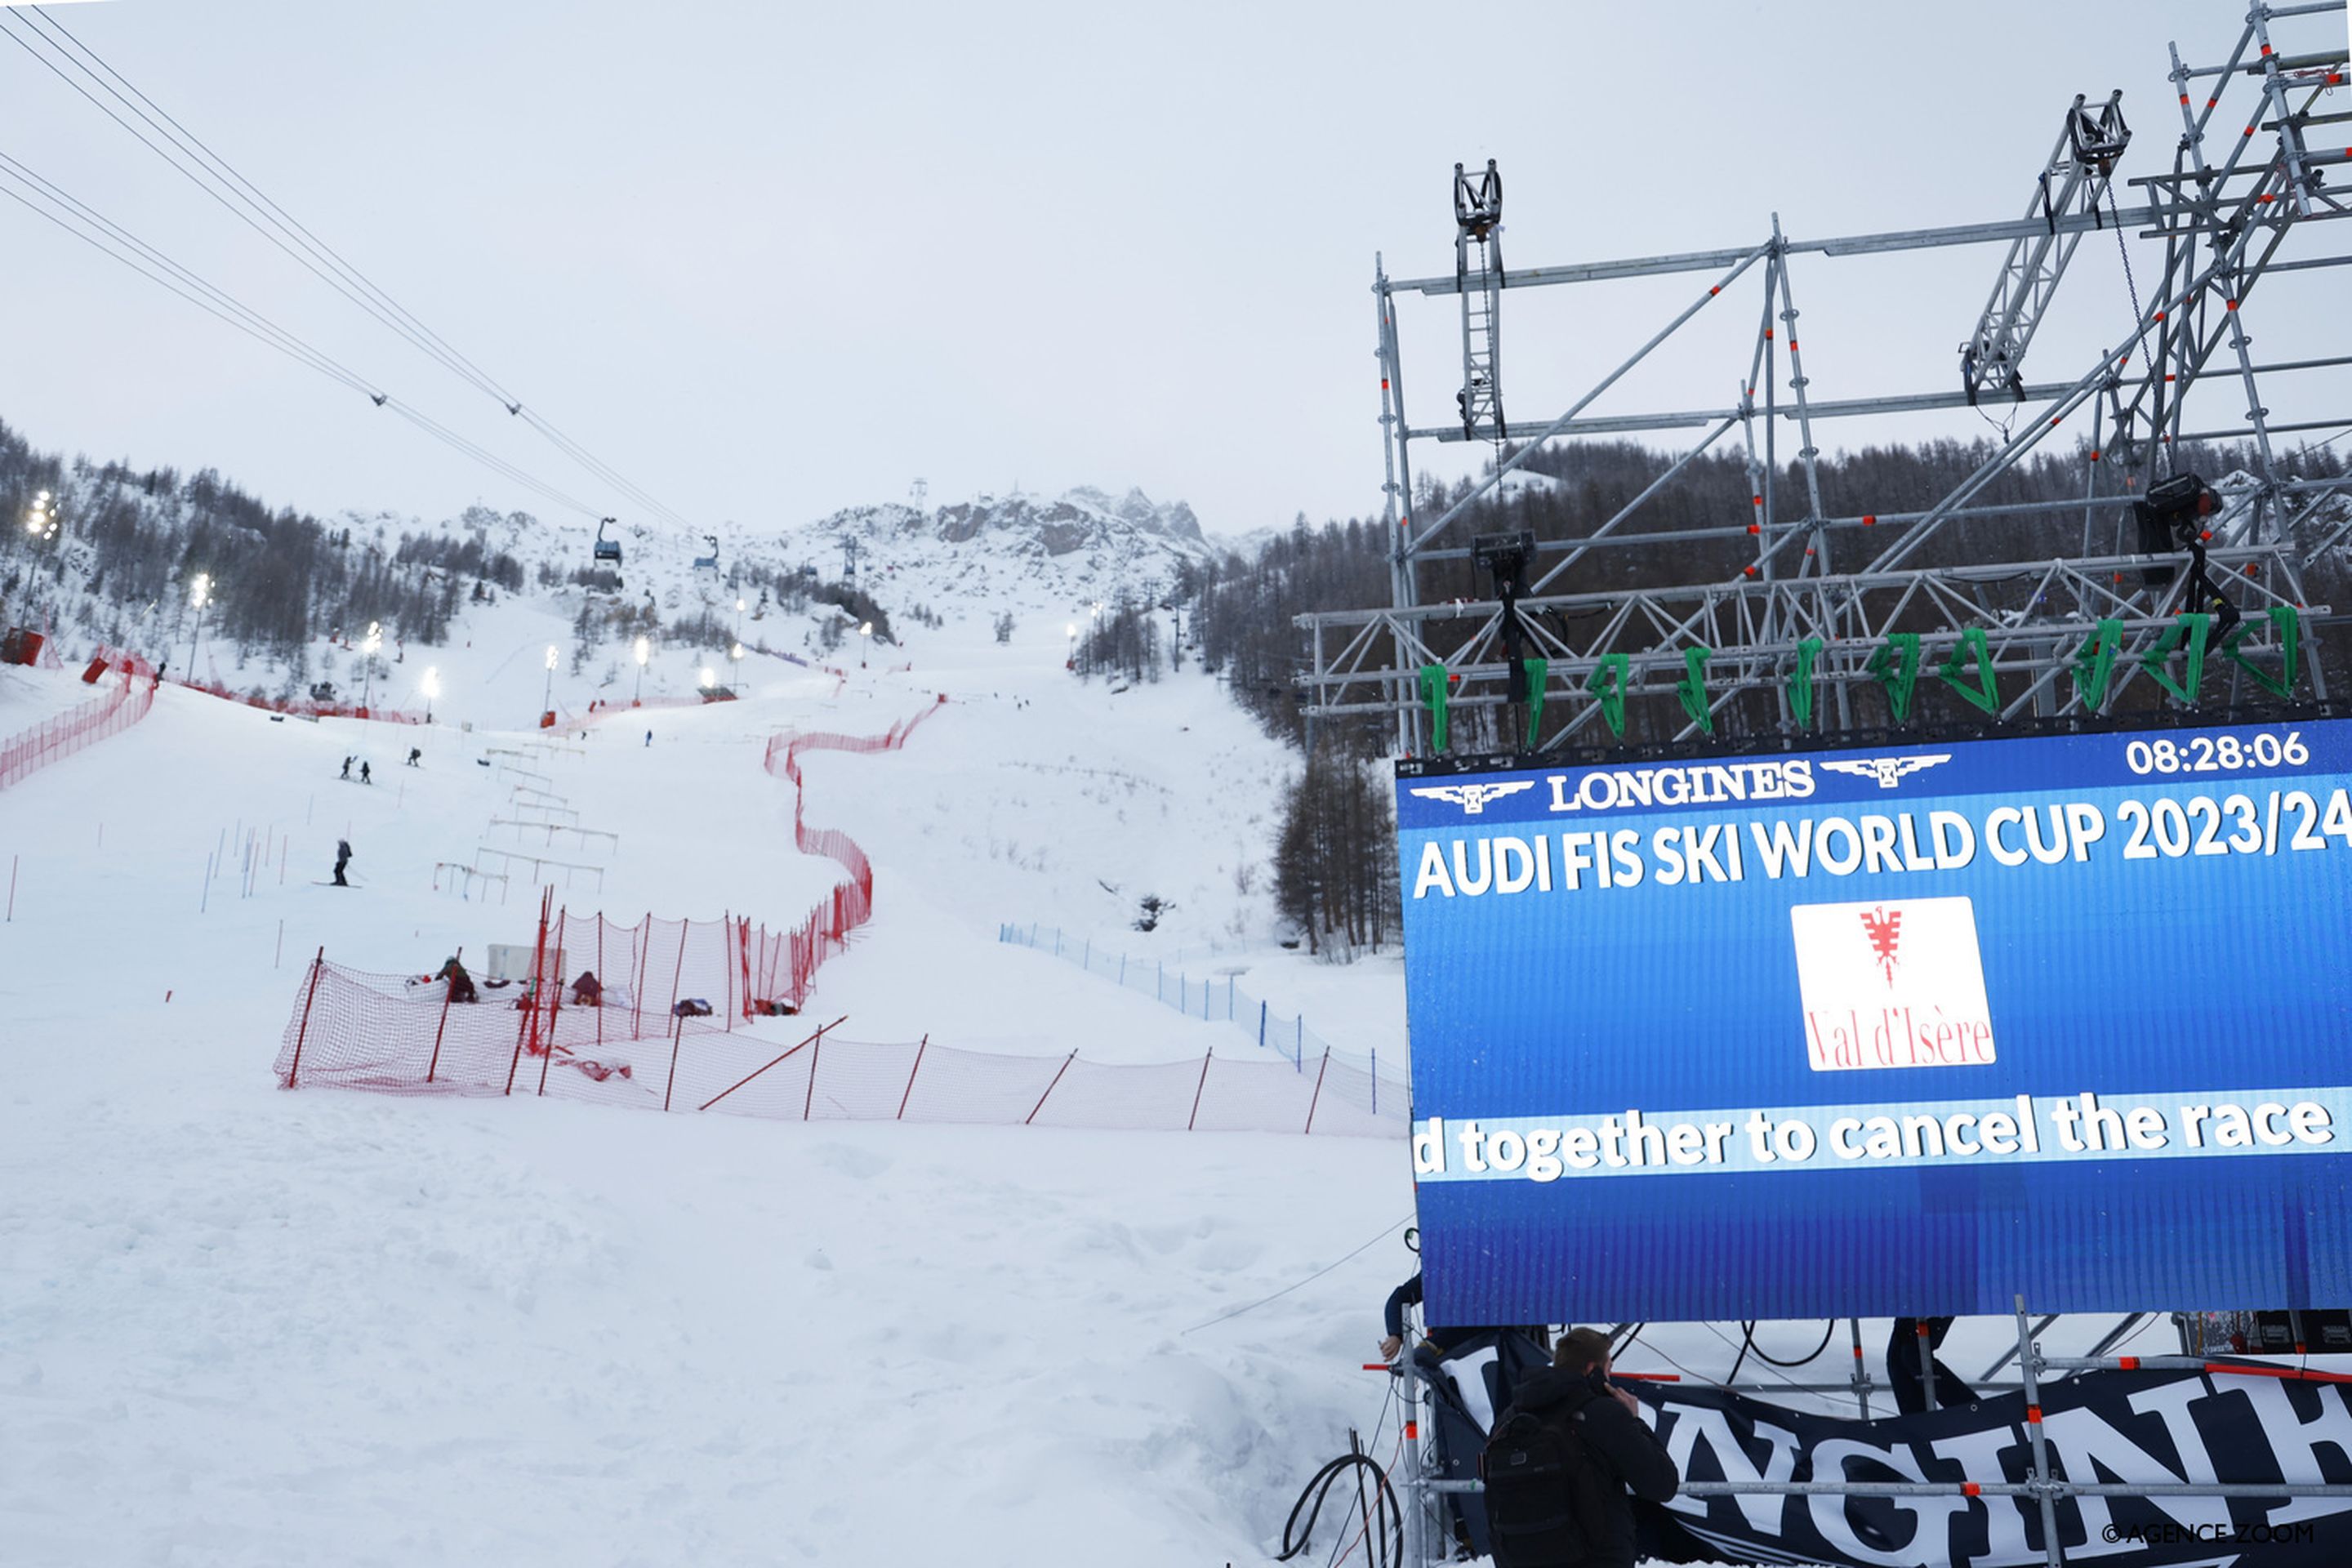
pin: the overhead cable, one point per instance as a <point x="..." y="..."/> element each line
<point x="196" y="162"/>
<point x="85" y="223"/>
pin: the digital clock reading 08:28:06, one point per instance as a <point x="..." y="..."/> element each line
<point x="2217" y="753"/>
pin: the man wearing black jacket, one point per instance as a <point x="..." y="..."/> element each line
<point x="1575" y="1387"/>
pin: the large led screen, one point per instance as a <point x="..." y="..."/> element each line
<point x="1904" y="1030"/>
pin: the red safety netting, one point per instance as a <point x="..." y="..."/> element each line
<point x="637" y="1037"/>
<point x="784" y="965"/>
<point x="109" y="713"/>
<point x="395" y="1034"/>
<point x="301" y="709"/>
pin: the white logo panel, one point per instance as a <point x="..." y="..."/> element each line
<point x="1893" y="982"/>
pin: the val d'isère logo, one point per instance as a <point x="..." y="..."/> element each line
<point x="1894" y="984"/>
<point x="1886" y="936"/>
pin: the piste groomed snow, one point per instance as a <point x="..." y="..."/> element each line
<point x="244" y="1325"/>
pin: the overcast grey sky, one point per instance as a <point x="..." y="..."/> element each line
<point x="771" y="259"/>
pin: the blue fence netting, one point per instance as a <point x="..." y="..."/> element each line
<point x="1211" y="998"/>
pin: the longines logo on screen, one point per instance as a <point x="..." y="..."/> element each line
<point x="1895" y="983"/>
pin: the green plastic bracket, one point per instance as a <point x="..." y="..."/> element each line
<point x="2095" y="665"/>
<point x="2197" y="628"/>
<point x="1434" y="692"/>
<point x="2288" y="625"/>
<point x="1896" y="666"/>
<point x="1800" y="682"/>
<point x="1538" y="671"/>
<point x="1982" y="692"/>
<point x="1692" y="688"/>
<point x="1607" y="682"/>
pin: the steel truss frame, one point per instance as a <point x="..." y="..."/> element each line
<point x="2223" y="225"/>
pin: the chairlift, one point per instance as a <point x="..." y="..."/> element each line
<point x="708" y="563"/>
<point x="607" y="548"/>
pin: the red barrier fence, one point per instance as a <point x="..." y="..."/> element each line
<point x="366" y="1031"/>
<point x="392" y="1034"/>
<point x="784" y="966"/>
<point x="109" y="713"/>
<point x="303" y="709"/>
<point x="403" y="1035"/>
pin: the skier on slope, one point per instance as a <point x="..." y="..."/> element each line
<point x="343" y="858"/>
<point x="347" y="767"/>
<point x="363" y="774"/>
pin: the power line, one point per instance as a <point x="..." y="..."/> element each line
<point x="323" y="260"/>
<point x="93" y="228"/>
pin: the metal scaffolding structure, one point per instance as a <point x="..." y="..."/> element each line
<point x="1842" y="603"/>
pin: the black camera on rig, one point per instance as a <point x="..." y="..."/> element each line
<point x="1505" y="558"/>
<point x="2176" y="516"/>
<point x="2173" y="517"/>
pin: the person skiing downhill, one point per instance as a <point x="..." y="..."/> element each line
<point x="343" y="858"/>
<point x="363" y="774"/>
<point x="347" y="767"/>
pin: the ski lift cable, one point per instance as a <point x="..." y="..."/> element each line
<point x="253" y="194"/>
<point x="274" y="337"/>
<point x="213" y="171"/>
<point x="193" y="176"/>
<point x="278" y="337"/>
<point x="251" y="322"/>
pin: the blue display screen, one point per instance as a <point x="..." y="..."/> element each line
<point x="1908" y="1030"/>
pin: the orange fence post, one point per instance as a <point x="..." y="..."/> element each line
<point x="641" y="943"/>
<point x="294" y="1068"/>
<point x="554" y="998"/>
<point x="749" y="1076"/>
<point x="677" y="1034"/>
<point x="438" y="1029"/>
<point x="911" y="1071"/>
<point x="808" y="1104"/>
<point x="1049" y="1089"/>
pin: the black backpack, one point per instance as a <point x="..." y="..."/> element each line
<point x="1547" y="1498"/>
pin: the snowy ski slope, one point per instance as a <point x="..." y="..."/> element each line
<point x="239" y="1326"/>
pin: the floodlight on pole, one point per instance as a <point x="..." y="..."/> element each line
<point x="367" y="646"/>
<point x="200" y="593"/>
<point x="709" y="677"/>
<point x="547" y="704"/>
<point x="645" y="652"/>
<point x="432" y="684"/>
<point x="864" y="634"/>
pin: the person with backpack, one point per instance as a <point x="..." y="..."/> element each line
<point x="343" y="858"/>
<point x="1565" y="1462"/>
<point x="461" y="985"/>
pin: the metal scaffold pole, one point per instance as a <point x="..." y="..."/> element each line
<point x="1830" y="580"/>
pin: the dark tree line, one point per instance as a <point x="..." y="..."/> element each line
<point x="135" y="541"/>
<point x="1243" y="607"/>
<point x="1122" y="643"/>
<point x="1334" y="865"/>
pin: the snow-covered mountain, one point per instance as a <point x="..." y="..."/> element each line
<point x="293" y="598"/>
<point x="1043" y="554"/>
